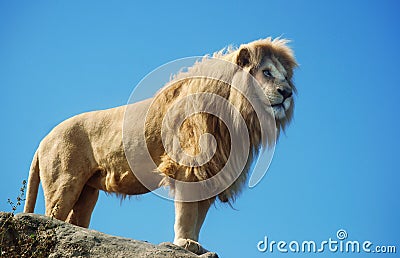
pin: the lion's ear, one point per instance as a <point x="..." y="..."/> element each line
<point x="243" y="58"/>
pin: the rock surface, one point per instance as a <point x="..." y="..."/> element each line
<point x="32" y="235"/>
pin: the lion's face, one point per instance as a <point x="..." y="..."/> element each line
<point x="274" y="80"/>
<point x="271" y="62"/>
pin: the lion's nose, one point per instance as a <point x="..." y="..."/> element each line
<point x="285" y="92"/>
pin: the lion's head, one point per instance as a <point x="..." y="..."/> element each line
<point x="272" y="62"/>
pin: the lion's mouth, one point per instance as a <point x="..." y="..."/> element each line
<point x="280" y="108"/>
<point x="279" y="105"/>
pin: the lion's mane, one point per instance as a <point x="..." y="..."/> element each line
<point x="216" y="75"/>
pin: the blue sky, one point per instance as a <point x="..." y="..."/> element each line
<point x="335" y="168"/>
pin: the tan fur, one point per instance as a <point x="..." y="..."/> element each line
<point x="85" y="153"/>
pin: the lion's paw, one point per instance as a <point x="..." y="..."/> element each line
<point x="191" y="246"/>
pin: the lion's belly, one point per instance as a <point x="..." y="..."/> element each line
<point x="114" y="173"/>
<point x="121" y="182"/>
<point x="125" y="183"/>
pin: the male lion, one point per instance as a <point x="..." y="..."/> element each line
<point x="87" y="152"/>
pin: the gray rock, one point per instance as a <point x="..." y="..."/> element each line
<point x="32" y="235"/>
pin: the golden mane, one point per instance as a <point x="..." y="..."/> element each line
<point x="223" y="76"/>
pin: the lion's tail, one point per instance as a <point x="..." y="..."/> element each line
<point x="33" y="185"/>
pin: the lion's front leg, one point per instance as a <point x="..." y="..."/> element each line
<point x="188" y="219"/>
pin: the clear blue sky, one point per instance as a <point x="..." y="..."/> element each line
<point x="337" y="166"/>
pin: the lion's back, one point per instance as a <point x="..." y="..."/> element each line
<point x="76" y="137"/>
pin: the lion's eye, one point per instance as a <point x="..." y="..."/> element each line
<point x="268" y="73"/>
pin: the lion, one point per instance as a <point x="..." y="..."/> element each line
<point x="88" y="152"/>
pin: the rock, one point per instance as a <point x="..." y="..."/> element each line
<point x="32" y="235"/>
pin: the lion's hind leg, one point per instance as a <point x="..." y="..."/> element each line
<point x="82" y="211"/>
<point x="61" y="193"/>
<point x="61" y="198"/>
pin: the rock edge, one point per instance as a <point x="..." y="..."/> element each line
<point x="29" y="235"/>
